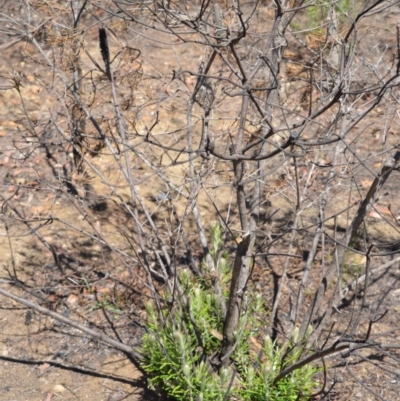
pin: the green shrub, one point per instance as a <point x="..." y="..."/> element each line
<point x="317" y="13"/>
<point x="257" y="384"/>
<point x="181" y="364"/>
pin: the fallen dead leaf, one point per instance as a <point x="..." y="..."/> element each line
<point x="38" y="210"/>
<point x="216" y="334"/>
<point x="48" y="396"/>
<point x="44" y="367"/>
<point x="378" y="211"/>
<point x="104" y="290"/>
<point x="256" y="345"/>
<point x="72" y="300"/>
<point x="366" y="183"/>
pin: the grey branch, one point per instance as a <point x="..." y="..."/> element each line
<point x="99" y="336"/>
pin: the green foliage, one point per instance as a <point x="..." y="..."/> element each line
<point x="179" y="363"/>
<point x="103" y="302"/>
<point x="173" y="356"/>
<point x="257" y="384"/>
<point x="317" y="14"/>
<point x="352" y="267"/>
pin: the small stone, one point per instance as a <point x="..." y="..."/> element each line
<point x="73" y="300"/>
<point x="59" y="388"/>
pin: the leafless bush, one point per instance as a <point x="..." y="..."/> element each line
<point x="159" y="118"/>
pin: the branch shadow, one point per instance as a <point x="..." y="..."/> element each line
<point x="140" y="383"/>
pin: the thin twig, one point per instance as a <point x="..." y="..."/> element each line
<point x="72" y="323"/>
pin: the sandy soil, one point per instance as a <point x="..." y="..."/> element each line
<point x="42" y="359"/>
